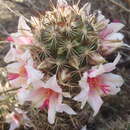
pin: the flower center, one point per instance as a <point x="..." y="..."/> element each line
<point x="22" y="71"/>
<point x="47" y="94"/>
<point x="97" y="84"/>
<point x="18" y="116"/>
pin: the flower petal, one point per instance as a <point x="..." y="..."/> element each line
<point x="98" y="70"/>
<point x="83" y="95"/>
<point x="33" y="74"/>
<point x="115" y="36"/>
<point x="14" y="125"/>
<point x="52" y="109"/>
<point x="84" y="128"/>
<point x="37" y="97"/>
<point x="111" y="66"/>
<point x="95" y="102"/>
<point x="22" y="95"/>
<point x="65" y="108"/>
<point x="27" y="58"/>
<point x="114" y="82"/>
<point x="52" y="84"/>
<point x="11" y="55"/>
<point x="13" y="68"/>
<point x="23" y="28"/>
<point x="115" y="27"/>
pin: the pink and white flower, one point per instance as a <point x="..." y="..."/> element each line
<point x="50" y="96"/>
<point x="99" y="82"/>
<point x="24" y="35"/>
<point x="22" y="72"/>
<point x="111" y="39"/>
<point x="17" y="118"/>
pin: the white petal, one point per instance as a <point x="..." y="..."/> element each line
<point x="14" y="67"/>
<point x="115" y="27"/>
<point x="52" y="84"/>
<point x="111" y="66"/>
<point x="97" y="70"/>
<point x="95" y="102"/>
<point x="83" y="95"/>
<point x="22" y="95"/>
<point x="84" y="128"/>
<point x="11" y="55"/>
<point x="27" y="58"/>
<point x="84" y="89"/>
<point x="65" y="108"/>
<point x="14" y="125"/>
<point x="114" y="82"/>
<point x="52" y="109"/>
<point x="23" y="28"/>
<point x="33" y="74"/>
<point x="60" y="98"/>
<point x="18" y="82"/>
<point x="115" y="36"/>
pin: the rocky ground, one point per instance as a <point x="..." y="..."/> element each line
<point x="115" y="113"/>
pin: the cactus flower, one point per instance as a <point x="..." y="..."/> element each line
<point x="50" y="96"/>
<point x="111" y="39"/>
<point x="17" y="118"/>
<point x="22" y="71"/>
<point x="24" y="35"/>
<point x="99" y="82"/>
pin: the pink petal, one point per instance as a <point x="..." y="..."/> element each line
<point x="10" y="39"/>
<point x="22" y="40"/>
<point x="12" y="76"/>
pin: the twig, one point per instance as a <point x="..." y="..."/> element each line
<point x="119" y="5"/>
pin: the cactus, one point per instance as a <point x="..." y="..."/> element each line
<point x="67" y="37"/>
<point x="65" y="43"/>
